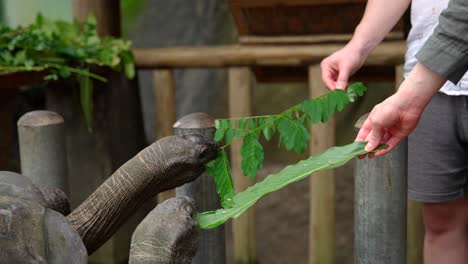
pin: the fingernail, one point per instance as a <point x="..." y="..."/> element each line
<point x="369" y="147"/>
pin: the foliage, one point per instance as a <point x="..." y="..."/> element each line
<point x="64" y="49"/>
<point x="332" y="158"/>
<point x="291" y="126"/>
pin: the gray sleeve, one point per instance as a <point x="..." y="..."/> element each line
<point x="446" y="51"/>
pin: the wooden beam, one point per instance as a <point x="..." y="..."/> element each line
<point x="322" y="185"/>
<point x="165" y="112"/>
<point x="309" y="39"/>
<point x="269" y="3"/>
<point x="240" y="97"/>
<point x="391" y="53"/>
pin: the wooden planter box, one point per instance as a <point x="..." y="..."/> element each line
<point x="297" y="17"/>
<point x="294" y="22"/>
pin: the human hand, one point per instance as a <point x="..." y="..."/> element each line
<point x="339" y="66"/>
<point x="396" y="117"/>
<point x="388" y="123"/>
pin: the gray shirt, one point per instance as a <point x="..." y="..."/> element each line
<point x="446" y="51"/>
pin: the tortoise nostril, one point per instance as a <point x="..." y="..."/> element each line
<point x="208" y="152"/>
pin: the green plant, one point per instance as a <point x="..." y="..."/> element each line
<point x="240" y="202"/>
<point x="62" y="50"/>
<point x="291" y="126"/>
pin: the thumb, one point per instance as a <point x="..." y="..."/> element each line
<point x="343" y="76"/>
<point x="375" y="136"/>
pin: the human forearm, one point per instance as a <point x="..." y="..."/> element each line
<point x="379" y="18"/>
<point x="418" y="88"/>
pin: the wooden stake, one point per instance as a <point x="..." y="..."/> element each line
<point x="165" y="112"/>
<point x="322" y="185"/>
<point x="415" y="226"/>
<point x="240" y="92"/>
<point x="42" y="149"/>
<point x="211" y="243"/>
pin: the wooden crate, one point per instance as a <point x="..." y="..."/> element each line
<point x="297" y="17"/>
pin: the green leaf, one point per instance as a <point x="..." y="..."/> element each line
<point x="252" y="155"/>
<point x="86" y="97"/>
<point x="332" y="158"/>
<point x="355" y="90"/>
<point x="293" y="134"/>
<point x="230" y="133"/>
<point x="220" y="170"/>
<point x="129" y="64"/>
<point x="219" y="134"/>
<point x="341" y="100"/>
<point x="267" y="133"/>
<point x="313" y="110"/>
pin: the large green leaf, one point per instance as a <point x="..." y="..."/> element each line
<point x="332" y="158"/>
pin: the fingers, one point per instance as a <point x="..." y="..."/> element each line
<point x="328" y="74"/>
<point x="364" y="131"/>
<point x="392" y="143"/>
<point x="375" y="137"/>
<point x="343" y="76"/>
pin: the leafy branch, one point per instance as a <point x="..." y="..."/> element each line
<point x="291" y="125"/>
<point x="61" y="50"/>
<point x="332" y="158"/>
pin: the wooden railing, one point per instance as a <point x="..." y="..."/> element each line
<point x="238" y="59"/>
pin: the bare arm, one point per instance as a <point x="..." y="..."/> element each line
<point x="379" y="18"/>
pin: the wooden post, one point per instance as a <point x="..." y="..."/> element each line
<point x="322" y="185"/>
<point x="415" y="226"/>
<point x="240" y="93"/>
<point x="42" y="149"/>
<point x="165" y="112"/>
<point x="107" y="13"/>
<point x="211" y="245"/>
<point x="380" y="197"/>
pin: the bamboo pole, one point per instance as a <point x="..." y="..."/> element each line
<point x="322" y="185"/>
<point x="391" y="53"/>
<point x="42" y="149"/>
<point x="165" y="112"/>
<point x="211" y="244"/>
<point x="415" y="226"/>
<point x="240" y="92"/>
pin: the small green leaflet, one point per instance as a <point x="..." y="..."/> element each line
<point x="220" y="170"/>
<point x="332" y="158"/>
<point x="294" y="135"/>
<point x="252" y="155"/>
